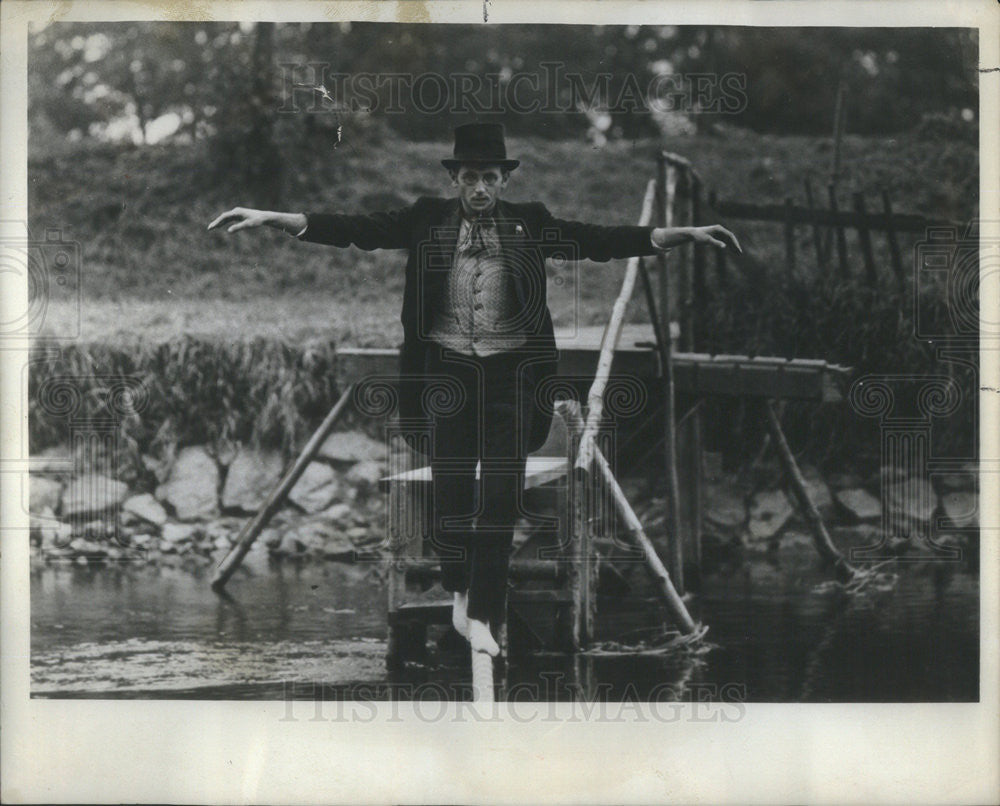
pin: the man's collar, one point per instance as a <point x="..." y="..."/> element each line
<point x="484" y="217"/>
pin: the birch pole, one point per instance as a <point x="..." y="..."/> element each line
<point x="609" y="343"/>
<point x="277" y="496"/>
<point x="570" y="412"/>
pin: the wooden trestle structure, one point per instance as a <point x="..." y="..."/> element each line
<point x="552" y="601"/>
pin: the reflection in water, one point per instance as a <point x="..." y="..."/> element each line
<point x="318" y="631"/>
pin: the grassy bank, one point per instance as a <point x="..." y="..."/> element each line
<point x="140" y="216"/>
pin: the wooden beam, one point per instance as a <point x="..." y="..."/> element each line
<point x="780" y="213"/>
<point x="840" y="236"/>
<point x="701" y="373"/>
<point x="890" y="234"/>
<point x="821" y="538"/>
<point x="277" y="496"/>
<point x="866" y="241"/>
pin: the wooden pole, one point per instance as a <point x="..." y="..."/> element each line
<point x="839" y="115"/>
<point x="890" y="234"/>
<point x="581" y="562"/>
<point x="673" y="497"/>
<point x="692" y="431"/>
<point x="789" y="237"/>
<point x="666" y="191"/>
<point x="609" y="342"/>
<point x="720" y="254"/>
<point x="664" y="586"/>
<point x="841" y="238"/>
<point x="664" y="349"/>
<point x="701" y="293"/>
<point x="818" y="245"/>
<point x="866" y="241"/>
<point x="797" y="483"/>
<point x="256" y="525"/>
<point x="685" y="283"/>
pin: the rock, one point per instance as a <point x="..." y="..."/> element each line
<point x="365" y="476"/>
<point x="175" y="533"/>
<point x="319" y="536"/>
<point x="352" y="446"/>
<point x="97" y="530"/>
<point x="290" y="545"/>
<point x="270" y="538"/>
<point x="316" y="488"/>
<point x="160" y="468"/>
<point x="147" y="508"/>
<point x="130" y="519"/>
<point x="860" y="504"/>
<point x="798" y="541"/>
<point x="222" y="543"/>
<point x="844" y="481"/>
<point x="956" y="481"/>
<point x="87" y="547"/>
<point x="339" y="515"/>
<point x="192" y="484"/>
<point x="47" y="532"/>
<point x="227" y="528"/>
<point x="961" y="507"/>
<point x="890" y="474"/>
<point x="723" y="505"/>
<point x="858" y="536"/>
<point x="43" y="494"/>
<point x="769" y="513"/>
<point x="913" y="498"/>
<point x="251" y="477"/>
<point x="142" y="540"/>
<point x="358" y="534"/>
<point x="92" y="493"/>
<point x="58" y="459"/>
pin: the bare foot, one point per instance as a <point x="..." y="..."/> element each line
<point x="459" y="619"/>
<point x="481" y="639"/>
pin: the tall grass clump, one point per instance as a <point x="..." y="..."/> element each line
<point x="262" y="392"/>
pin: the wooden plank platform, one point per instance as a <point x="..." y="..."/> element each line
<point x="760" y="376"/>
<point x="539" y="470"/>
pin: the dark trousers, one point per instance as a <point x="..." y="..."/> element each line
<point x="480" y="416"/>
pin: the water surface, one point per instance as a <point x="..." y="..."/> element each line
<point x="287" y="630"/>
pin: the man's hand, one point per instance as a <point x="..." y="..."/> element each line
<point x="245" y="218"/>
<point x="715" y="235"/>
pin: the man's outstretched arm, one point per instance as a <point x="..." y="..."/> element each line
<point x="388" y="230"/>
<point x="714" y="235"/>
<point x="246" y="218"/>
<point x="601" y="242"/>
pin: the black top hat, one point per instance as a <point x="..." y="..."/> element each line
<point x="480" y="143"/>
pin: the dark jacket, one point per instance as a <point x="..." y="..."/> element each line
<point x="529" y="235"/>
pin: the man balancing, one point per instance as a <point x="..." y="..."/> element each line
<point x="475" y="314"/>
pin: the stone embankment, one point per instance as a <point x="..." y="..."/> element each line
<point x="202" y="500"/>
<point x="336" y="511"/>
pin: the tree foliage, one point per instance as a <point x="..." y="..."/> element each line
<point x="229" y="81"/>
